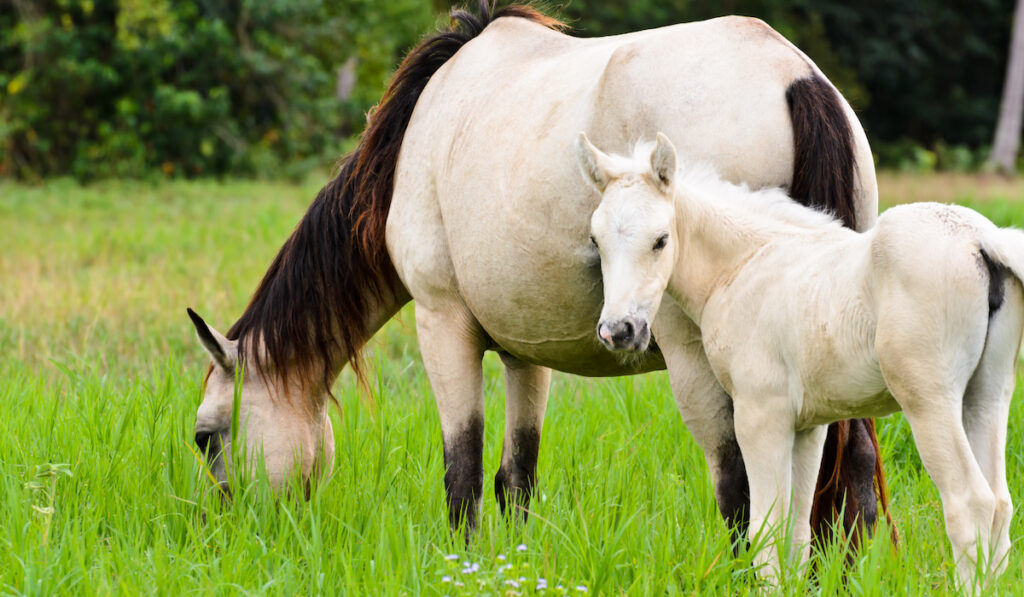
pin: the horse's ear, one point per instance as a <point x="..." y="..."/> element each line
<point x="222" y="351"/>
<point x="663" y="161"/>
<point x="593" y="163"/>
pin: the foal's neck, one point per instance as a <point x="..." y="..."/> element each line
<point x="715" y="240"/>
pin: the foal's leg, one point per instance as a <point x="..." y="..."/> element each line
<point x="764" y="429"/>
<point x="808" y="445"/>
<point x="932" y="401"/>
<point x="452" y="345"/>
<point x="706" y="410"/>
<point x="526" y="397"/>
<point x="986" y="411"/>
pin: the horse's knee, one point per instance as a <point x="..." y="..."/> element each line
<point x="970" y="519"/>
<point x="464" y="474"/>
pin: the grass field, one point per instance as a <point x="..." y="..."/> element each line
<point x="100" y="491"/>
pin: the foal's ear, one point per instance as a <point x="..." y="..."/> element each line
<point x="663" y="161"/>
<point x="593" y="163"/>
<point x="222" y="351"/>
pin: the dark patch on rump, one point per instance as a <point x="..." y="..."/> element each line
<point x="513" y="485"/>
<point x="464" y="474"/>
<point x="996" y="283"/>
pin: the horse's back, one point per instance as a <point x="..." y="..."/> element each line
<point x="488" y="199"/>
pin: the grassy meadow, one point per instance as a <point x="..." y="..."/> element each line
<point x="100" y="491"/>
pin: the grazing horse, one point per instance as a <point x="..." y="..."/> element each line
<point x="464" y="196"/>
<point x="805" y="322"/>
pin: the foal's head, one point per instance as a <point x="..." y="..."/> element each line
<point x="633" y="229"/>
<point x="271" y="429"/>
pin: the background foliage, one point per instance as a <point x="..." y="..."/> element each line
<point x="101" y="88"/>
<point x="118" y="88"/>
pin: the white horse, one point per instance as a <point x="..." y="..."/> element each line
<point x="464" y="196"/>
<point x="805" y="322"/>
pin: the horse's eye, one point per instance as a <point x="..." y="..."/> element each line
<point x="661" y="242"/>
<point x="592" y="241"/>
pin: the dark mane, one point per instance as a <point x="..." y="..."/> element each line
<point x="315" y="297"/>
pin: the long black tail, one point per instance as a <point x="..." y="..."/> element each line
<point x="823" y="163"/>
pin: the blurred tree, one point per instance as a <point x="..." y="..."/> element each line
<point x="194" y="87"/>
<point x="1007" y="137"/>
<point x="920" y="72"/>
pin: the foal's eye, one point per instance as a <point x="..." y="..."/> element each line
<point x="661" y="242"/>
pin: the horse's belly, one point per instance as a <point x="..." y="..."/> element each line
<point x="855" y="390"/>
<point x="545" y="310"/>
<point x="824" y="410"/>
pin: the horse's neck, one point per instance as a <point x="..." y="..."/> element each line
<point x="715" y="241"/>
<point x="381" y="308"/>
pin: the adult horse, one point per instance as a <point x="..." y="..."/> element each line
<point x="464" y="196"/>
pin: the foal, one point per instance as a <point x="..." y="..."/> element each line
<point x="805" y="322"/>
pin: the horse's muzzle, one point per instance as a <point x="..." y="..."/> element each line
<point x="628" y="333"/>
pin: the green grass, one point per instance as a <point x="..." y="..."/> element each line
<point x="100" y="374"/>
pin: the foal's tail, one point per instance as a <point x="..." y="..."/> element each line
<point x="851" y="480"/>
<point x="1005" y="246"/>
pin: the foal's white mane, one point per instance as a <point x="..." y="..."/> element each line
<point x="701" y="184"/>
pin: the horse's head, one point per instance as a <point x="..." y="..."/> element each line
<point x="633" y="230"/>
<point x="273" y="430"/>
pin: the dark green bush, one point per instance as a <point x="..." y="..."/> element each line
<point x="196" y="87"/>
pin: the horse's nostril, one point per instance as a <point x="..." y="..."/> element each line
<point x="203" y="440"/>
<point x="623" y="332"/>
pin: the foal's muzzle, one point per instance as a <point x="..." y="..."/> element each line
<point x="628" y="333"/>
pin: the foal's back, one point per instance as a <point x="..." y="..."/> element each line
<point x="824" y="304"/>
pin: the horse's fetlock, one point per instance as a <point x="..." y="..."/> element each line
<point x="513" y="488"/>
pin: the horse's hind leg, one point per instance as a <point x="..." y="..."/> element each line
<point x="708" y="413"/>
<point x="452" y="345"/>
<point x="526" y="397"/>
<point x="928" y="389"/>
<point x="986" y="409"/>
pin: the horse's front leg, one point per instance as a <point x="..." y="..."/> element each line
<point x="526" y="397"/>
<point x="452" y="345"/>
<point x="707" y="412"/>
<point x="765" y="432"/>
